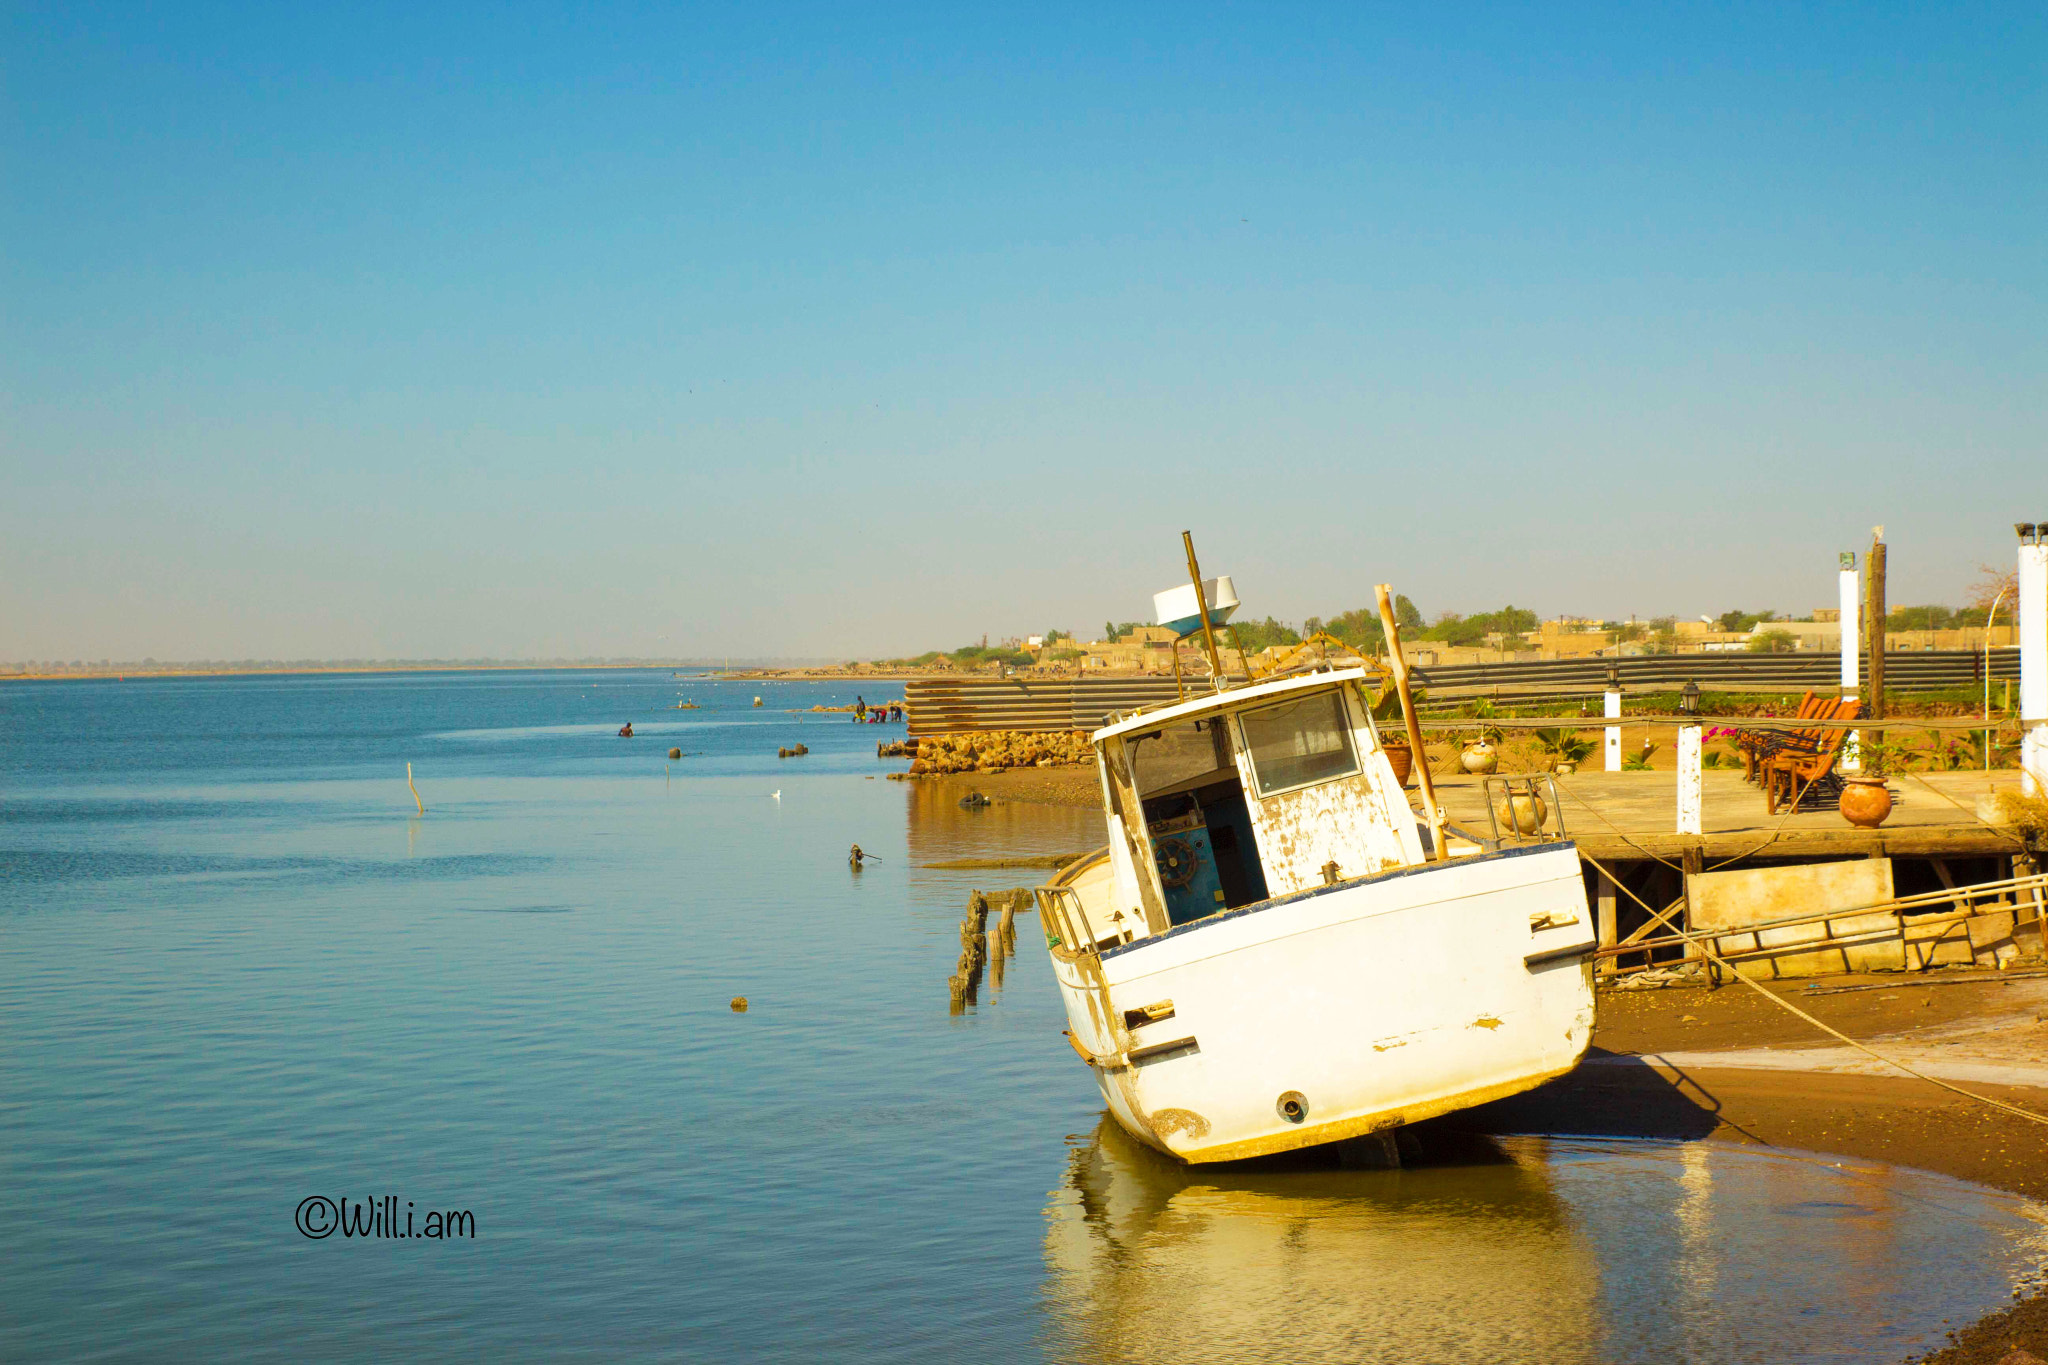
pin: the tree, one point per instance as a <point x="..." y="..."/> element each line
<point x="1991" y="584"/>
<point x="1738" y="620"/>
<point x="1772" y="642"/>
<point x="1920" y="618"/>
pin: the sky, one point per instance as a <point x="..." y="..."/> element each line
<point x="601" y="330"/>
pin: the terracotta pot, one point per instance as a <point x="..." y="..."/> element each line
<point x="1866" y="801"/>
<point x="1401" y="759"/>
<point x="1524" y="813"/>
<point x="1479" y="758"/>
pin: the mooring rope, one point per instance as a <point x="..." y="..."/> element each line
<point x="1734" y="971"/>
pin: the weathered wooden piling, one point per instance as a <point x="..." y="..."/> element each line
<point x="1006" y="927"/>
<point x="965" y="983"/>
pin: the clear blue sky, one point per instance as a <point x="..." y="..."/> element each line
<point x="604" y="329"/>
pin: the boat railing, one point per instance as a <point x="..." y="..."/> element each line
<point x="1069" y="932"/>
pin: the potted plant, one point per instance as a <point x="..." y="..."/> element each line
<point x="1387" y="719"/>
<point x="1565" y="747"/>
<point x="1866" y="801"/>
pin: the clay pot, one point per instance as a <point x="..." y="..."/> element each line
<point x="1479" y="758"/>
<point x="1866" y="801"/>
<point x="1401" y="759"/>
<point x="1524" y="813"/>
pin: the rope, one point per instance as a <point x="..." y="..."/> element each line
<point x="1736" y="972"/>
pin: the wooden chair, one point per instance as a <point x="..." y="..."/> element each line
<point x="1750" y="742"/>
<point x="1797" y="774"/>
<point x="1803" y="742"/>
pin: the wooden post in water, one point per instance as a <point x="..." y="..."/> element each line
<point x="1431" y="810"/>
<point x="1007" y="926"/>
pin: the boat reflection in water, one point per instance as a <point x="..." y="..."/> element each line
<point x="1524" y="1249"/>
<point x="1156" y="1261"/>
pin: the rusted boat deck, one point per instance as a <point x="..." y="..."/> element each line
<point x="1632" y="815"/>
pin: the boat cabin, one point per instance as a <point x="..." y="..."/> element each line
<point x="1229" y="800"/>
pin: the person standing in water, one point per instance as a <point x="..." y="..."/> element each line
<point x="860" y="709"/>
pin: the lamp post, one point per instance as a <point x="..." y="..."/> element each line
<point x="1989" y="617"/>
<point x="1612" y="746"/>
<point x="1689" y="761"/>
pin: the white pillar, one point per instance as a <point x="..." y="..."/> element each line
<point x="1852" y="651"/>
<point x="1613" y="744"/>
<point x="2033" y="619"/>
<point x="1688" y="779"/>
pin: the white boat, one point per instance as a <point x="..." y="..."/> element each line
<point x="1267" y="956"/>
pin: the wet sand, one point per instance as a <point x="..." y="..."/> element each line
<point x="1727" y="1065"/>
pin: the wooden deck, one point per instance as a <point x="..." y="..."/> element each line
<point x="1632" y="815"/>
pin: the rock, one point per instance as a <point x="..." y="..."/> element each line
<point x="2020" y="1355"/>
<point x="997" y="751"/>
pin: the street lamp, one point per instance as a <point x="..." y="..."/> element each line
<point x="2028" y="532"/>
<point x="1614" y="677"/>
<point x="1689" y="699"/>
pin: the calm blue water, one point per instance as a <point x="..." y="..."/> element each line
<point x="239" y="970"/>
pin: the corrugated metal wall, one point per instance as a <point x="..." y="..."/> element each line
<point x="946" y="705"/>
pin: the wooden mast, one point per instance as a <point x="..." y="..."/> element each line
<point x="1433" y="812"/>
<point x="1202" y="604"/>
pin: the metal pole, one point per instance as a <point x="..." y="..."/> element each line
<point x="1431" y="810"/>
<point x="1989" y="617"/>
<point x="1202" y="602"/>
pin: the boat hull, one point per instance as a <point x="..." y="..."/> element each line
<point x="1369" y="1005"/>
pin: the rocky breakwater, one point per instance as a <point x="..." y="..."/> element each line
<point x="996" y="751"/>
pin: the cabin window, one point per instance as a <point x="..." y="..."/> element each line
<point x="1299" y="743"/>
<point x="1180" y="756"/>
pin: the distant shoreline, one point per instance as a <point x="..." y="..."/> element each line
<point x="286" y="670"/>
<point x="715" y="672"/>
